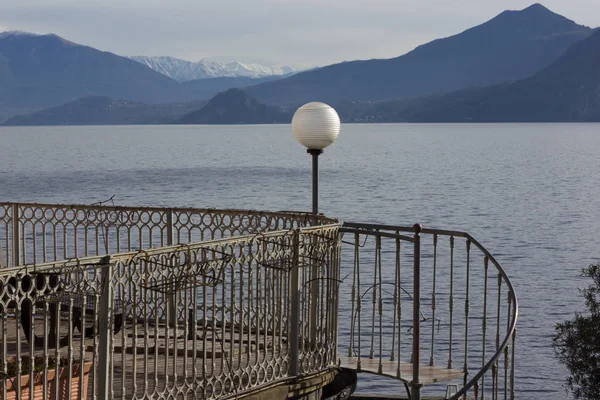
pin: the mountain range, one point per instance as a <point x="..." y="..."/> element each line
<point x="183" y="71"/>
<point x="41" y="71"/>
<point x="528" y="65"/>
<point x="38" y="71"/>
<point x="511" y="46"/>
<point x="566" y="91"/>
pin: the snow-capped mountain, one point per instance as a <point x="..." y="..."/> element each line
<point x="182" y="70"/>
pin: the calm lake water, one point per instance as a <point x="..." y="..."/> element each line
<point x="529" y="193"/>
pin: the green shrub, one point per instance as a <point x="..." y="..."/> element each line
<point x="577" y="343"/>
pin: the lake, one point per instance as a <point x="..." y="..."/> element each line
<point x="530" y="193"/>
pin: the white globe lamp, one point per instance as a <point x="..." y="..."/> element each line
<point x="315" y="125"/>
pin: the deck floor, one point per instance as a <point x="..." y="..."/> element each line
<point x="154" y="361"/>
<point x="429" y="374"/>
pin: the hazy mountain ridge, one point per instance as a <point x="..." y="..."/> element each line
<point x="511" y="46"/>
<point x="39" y="71"/>
<point x="183" y="70"/>
<point x="566" y="91"/>
<point x="99" y="110"/>
<point x="207" y="88"/>
<point x="234" y="106"/>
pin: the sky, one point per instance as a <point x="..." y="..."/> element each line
<point x="299" y="33"/>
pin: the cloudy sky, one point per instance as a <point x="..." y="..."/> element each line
<point x="285" y="32"/>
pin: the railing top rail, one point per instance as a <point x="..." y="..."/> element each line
<point x="399" y="228"/>
<point x="301" y="215"/>
<point x="346" y="228"/>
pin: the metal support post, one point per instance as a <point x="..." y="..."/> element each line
<point x="416" y="384"/>
<point x="294" y="321"/>
<point x="314" y="271"/>
<point x="315" y="153"/>
<point x="105" y="330"/>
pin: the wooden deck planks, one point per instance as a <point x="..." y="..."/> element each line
<point x="428" y="374"/>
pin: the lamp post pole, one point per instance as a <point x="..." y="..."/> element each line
<point x="315" y="125"/>
<point x="315" y="178"/>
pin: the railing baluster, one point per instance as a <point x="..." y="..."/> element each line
<point x="508" y="313"/>
<point x="374" y="303"/>
<point x="105" y="319"/>
<point x="359" y="300"/>
<point x="495" y="381"/>
<point x="399" y="268"/>
<point x="395" y="301"/>
<point x="484" y="323"/>
<point x="16" y="236"/>
<point x="32" y="332"/>
<point x="433" y="300"/>
<point x="353" y="297"/>
<point x="416" y="383"/>
<point x="466" y="368"/>
<point x="451" y="300"/>
<point x="34" y="245"/>
<point x="45" y="349"/>
<point x="378" y="266"/>
<point x="512" y="368"/>
<point x="498" y="318"/>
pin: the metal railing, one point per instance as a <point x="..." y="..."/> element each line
<point x="210" y="319"/>
<point x="433" y="300"/>
<point x="165" y="302"/>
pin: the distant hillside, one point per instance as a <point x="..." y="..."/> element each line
<point x="104" y="111"/>
<point x="38" y="71"/>
<point x="183" y="71"/>
<point x="511" y="46"/>
<point x="234" y="106"/>
<point x="208" y="88"/>
<point x="566" y="91"/>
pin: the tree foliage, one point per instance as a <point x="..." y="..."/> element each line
<point x="577" y="342"/>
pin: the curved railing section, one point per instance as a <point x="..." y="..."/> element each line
<point x="251" y="303"/>
<point x="427" y="306"/>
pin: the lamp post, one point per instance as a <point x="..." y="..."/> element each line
<point x="315" y="125"/>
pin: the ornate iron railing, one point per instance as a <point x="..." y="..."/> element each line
<point x="210" y="319"/>
<point x="38" y="233"/>
<point x="157" y="302"/>
<point x="428" y="305"/>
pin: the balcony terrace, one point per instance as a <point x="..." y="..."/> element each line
<point x="205" y="303"/>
